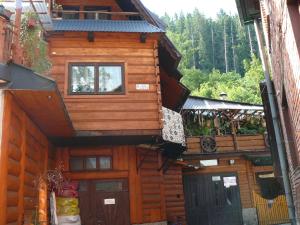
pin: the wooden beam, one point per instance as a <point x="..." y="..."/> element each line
<point x="5" y="115"/>
<point x="97" y="175"/>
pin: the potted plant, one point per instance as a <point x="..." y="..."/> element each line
<point x="57" y="10"/>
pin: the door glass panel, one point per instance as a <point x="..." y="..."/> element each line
<point x="105" y="163"/>
<point x="76" y="164"/>
<point x="91" y="163"/>
<point x="109" y="186"/>
<point x="83" y="186"/>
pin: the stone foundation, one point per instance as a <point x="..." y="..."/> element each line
<point x="156" y="223"/>
<point x="250" y="216"/>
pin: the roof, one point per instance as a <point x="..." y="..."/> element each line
<point x="200" y="103"/>
<point x="39" y="6"/>
<point x="127" y="26"/>
<point x="39" y="98"/>
<point x="248" y="10"/>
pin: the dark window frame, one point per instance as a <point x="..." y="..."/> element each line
<point x="70" y="8"/>
<point x="85" y="169"/>
<point x="96" y="79"/>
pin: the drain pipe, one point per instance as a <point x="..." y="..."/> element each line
<point x="278" y="137"/>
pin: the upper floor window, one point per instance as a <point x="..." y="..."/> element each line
<point x="96" y="79"/>
<point x="95" y="14"/>
<point x="70" y="12"/>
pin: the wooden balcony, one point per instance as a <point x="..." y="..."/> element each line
<point x="229" y="144"/>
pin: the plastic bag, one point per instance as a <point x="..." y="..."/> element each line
<point x="67" y="206"/>
<point x="69" y="220"/>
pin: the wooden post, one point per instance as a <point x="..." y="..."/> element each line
<point x="5" y="115"/>
<point x="3" y="22"/>
<point x="17" y="50"/>
<point x="235" y="144"/>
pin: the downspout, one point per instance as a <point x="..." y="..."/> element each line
<point x="278" y="137"/>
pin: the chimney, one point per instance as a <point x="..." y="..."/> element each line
<point x="223" y="96"/>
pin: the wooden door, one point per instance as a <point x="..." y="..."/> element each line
<point x="104" y="202"/>
<point x="212" y="199"/>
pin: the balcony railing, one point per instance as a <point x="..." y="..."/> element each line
<point x="227" y="144"/>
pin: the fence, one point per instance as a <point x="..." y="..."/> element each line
<point x="271" y="212"/>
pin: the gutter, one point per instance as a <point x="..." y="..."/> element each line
<point x="276" y="123"/>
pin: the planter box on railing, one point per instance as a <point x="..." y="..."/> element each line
<point x="225" y="144"/>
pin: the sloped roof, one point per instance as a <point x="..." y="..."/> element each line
<point x="128" y="26"/>
<point x="39" y="98"/>
<point x="200" y="103"/>
<point x="248" y="10"/>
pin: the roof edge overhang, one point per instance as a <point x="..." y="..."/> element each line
<point x="226" y="101"/>
<point x="248" y="10"/>
<point x="39" y="97"/>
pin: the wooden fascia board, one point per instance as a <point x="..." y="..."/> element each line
<point x="1" y="115"/>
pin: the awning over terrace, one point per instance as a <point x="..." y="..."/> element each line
<point x="41" y="7"/>
<point x="39" y="97"/>
<point x="206" y="106"/>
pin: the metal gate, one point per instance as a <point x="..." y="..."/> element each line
<point x="212" y="199"/>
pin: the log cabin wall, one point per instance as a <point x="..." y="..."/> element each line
<point x="136" y="109"/>
<point x="175" y="207"/>
<point x="245" y="172"/>
<point x="139" y="166"/>
<point x="23" y="158"/>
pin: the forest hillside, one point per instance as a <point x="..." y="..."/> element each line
<point x="218" y="55"/>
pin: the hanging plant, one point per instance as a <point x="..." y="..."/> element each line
<point x="34" y="47"/>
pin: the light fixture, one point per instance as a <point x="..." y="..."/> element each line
<point x="231" y="162"/>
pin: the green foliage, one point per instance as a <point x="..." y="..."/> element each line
<point x="34" y="47"/>
<point x="202" y="43"/>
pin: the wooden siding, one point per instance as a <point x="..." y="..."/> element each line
<point x="226" y="144"/>
<point x="23" y="159"/>
<point x="175" y="207"/>
<point x="136" y="109"/>
<point x="140" y="167"/>
<point x="246" y="176"/>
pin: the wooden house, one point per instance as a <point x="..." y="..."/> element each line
<point x="279" y="22"/>
<point x="103" y="112"/>
<point x="229" y="165"/>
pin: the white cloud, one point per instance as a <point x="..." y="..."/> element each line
<point x="208" y="7"/>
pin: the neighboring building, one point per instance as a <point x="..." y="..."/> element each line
<point x="106" y="112"/>
<point x="229" y="178"/>
<point x="280" y="22"/>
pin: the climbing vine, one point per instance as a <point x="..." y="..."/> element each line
<point x="34" y="46"/>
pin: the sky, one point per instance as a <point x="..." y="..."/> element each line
<point x="208" y="7"/>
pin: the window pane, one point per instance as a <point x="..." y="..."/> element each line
<point x="83" y="79"/>
<point x="110" y="79"/>
<point x="109" y="186"/>
<point x="83" y="186"/>
<point x="70" y="15"/>
<point x="99" y="16"/>
<point x="91" y="163"/>
<point x="76" y="164"/>
<point x="105" y="163"/>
